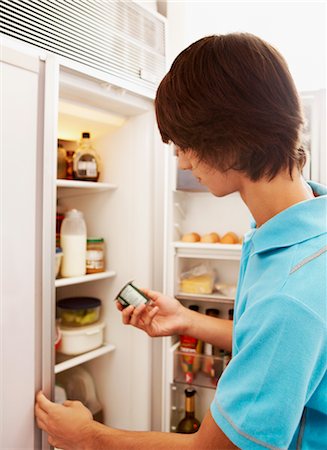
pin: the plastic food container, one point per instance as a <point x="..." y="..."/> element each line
<point x="58" y="260"/>
<point x="78" y="311"/>
<point x="75" y="341"/>
<point x="57" y="338"/>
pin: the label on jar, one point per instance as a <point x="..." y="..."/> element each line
<point x="130" y="296"/>
<point x="94" y="259"/>
<point x="87" y="168"/>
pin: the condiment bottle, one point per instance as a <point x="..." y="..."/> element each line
<point x="189" y="424"/>
<point x="190" y="348"/>
<point x="86" y="160"/>
<point x="73" y="244"/>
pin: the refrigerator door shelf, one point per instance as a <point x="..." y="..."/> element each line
<point x="208" y="251"/>
<point x="205" y="298"/>
<point x="69" y="362"/>
<point x="72" y="188"/>
<point x="84" y="279"/>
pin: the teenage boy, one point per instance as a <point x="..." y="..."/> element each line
<point x="230" y="106"/>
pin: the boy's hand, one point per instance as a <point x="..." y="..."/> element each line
<point x="163" y="316"/>
<point x="68" y="425"/>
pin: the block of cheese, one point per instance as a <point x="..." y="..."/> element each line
<point x="202" y="284"/>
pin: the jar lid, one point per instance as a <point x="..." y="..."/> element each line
<point x="79" y="303"/>
<point x="93" y="240"/>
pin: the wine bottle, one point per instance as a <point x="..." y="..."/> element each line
<point x="189" y="424"/>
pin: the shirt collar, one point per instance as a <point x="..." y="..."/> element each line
<point x="295" y="224"/>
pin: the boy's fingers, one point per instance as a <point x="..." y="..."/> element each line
<point x="40" y="414"/>
<point x="41" y="424"/>
<point x="151" y="315"/>
<point x="119" y="305"/>
<point x="43" y="402"/>
<point x="154" y="295"/>
<point x="137" y="313"/>
<point x="127" y="313"/>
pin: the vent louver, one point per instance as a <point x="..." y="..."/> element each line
<point x="117" y="37"/>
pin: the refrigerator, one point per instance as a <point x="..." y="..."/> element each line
<point x="48" y="96"/>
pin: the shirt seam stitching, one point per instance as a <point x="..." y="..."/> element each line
<point x="308" y="259"/>
<point x="242" y="433"/>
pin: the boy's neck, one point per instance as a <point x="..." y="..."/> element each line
<point x="265" y="198"/>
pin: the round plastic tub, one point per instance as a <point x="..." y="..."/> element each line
<point x="75" y="341"/>
<point x="78" y="311"/>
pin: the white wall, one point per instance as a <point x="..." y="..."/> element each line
<point x="296" y="29"/>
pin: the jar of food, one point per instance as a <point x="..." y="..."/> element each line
<point x="95" y="255"/>
<point x="78" y="311"/>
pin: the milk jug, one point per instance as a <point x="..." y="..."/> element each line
<point x="73" y="244"/>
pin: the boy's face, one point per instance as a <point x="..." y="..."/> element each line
<point x="219" y="183"/>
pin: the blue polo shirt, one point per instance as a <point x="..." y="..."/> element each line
<point x="273" y="393"/>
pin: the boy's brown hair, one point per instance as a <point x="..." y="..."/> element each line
<point x="232" y="100"/>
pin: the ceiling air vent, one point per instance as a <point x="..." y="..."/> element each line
<point x="117" y="37"/>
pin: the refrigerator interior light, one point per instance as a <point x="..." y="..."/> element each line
<point x="75" y="118"/>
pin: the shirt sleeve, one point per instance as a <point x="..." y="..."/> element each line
<point x="277" y="365"/>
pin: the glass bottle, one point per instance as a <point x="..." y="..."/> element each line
<point x="69" y="164"/>
<point x="189" y="424"/>
<point x="86" y="160"/>
<point x="61" y="162"/>
<point x="73" y="244"/>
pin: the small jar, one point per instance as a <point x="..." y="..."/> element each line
<point x="95" y="255"/>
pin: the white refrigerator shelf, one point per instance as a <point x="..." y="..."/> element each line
<point x="205" y="297"/>
<point x="69" y="188"/>
<point x="210" y="251"/>
<point x="73" y="361"/>
<point x="60" y="282"/>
